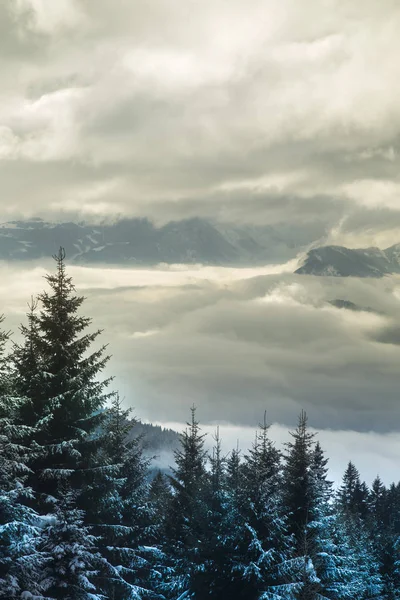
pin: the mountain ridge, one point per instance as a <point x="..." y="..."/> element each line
<point x="339" y="261"/>
<point x="137" y="241"/>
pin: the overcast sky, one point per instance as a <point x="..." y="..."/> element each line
<point x="266" y="111"/>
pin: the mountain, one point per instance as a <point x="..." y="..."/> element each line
<point x="154" y="438"/>
<point x="348" y="305"/>
<point x="159" y="445"/>
<point x="338" y="261"/>
<point x="139" y="241"/>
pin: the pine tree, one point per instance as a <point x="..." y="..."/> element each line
<point x="62" y="408"/>
<point x="301" y="498"/>
<point x="234" y="476"/>
<point x="28" y="371"/>
<point x="20" y="526"/>
<point x="331" y="554"/>
<point x="353" y="494"/>
<point x="384" y="540"/>
<point x="350" y="506"/>
<point x="188" y="480"/>
<point x="20" y="561"/>
<point x="5" y="370"/>
<point x="269" y="557"/>
<point x="300" y="501"/>
<point x="124" y="514"/>
<point x="160" y="498"/>
<point x="58" y="377"/>
<point x="187" y="510"/>
<point x="219" y="568"/>
<point x="71" y="561"/>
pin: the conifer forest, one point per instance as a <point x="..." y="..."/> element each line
<point x="82" y="517"/>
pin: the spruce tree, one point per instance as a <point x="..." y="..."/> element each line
<point x="301" y="497"/>
<point x="300" y="501"/>
<point x="384" y="539"/>
<point x="58" y="376"/>
<point x="331" y="553"/>
<point x="62" y="412"/>
<point x="21" y="527"/>
<point x="160" y="498"/>
<point x="353" y="494"/>
<point x="71" y="561"/>
<point x="186" y="519"/>
<point x="125" y="518"/>
<point x="270" y="565"/>
<point x="217" y="571"/>
<point x="234" y="475"/>
<point x="350" y="506"/>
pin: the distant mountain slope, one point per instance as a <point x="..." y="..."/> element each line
<point x="139" y="241"/>
<point x="158" y="444"/>
<point x="338" y="261"/>
<point x="348" y="305"/>
<point x="154" y="438"/>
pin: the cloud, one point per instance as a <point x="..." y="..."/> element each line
<point x="239" y="341"/>
<point x="166" y="110"/>
<point x="39" y="17"/>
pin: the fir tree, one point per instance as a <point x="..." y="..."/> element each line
<point x="234" y="475"/>
<point x="301" y="496"/>
<point x="350" y="506"/>
<point x="71" y="561"/>
<point x="125" y="520"/>
<point x="62" y="409"/>
<point x="187" y="510"/>
<point x="384" y="540"/>
<point x="331" y="553"/>
<point x="215" y="572"/>
<point x="20" y="526"/>
<point x="160" y="498"/>
<point x="353" y="494"/>
<point x="64" y="398"/>
<point x="269" y="559"/>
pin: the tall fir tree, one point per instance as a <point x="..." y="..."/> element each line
<point x="62" y="410"/>
<point x="186" y="519"/>
<point x="331" y="553"/>
<point x="301" y="497"/>
<point x="351" y="506"/>
<point x="58" y="376"/>
<point x="271" y="565"/>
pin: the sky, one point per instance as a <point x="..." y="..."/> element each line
<point x="264" y="112"/>
<point x="267" y="111"/>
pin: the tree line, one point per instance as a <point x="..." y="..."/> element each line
<point x="81" y="519"/>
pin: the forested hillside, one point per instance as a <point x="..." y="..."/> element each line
<point x="80" y="518"/>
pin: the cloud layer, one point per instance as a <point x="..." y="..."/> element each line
<point x="239" y="341"/>
<point x="257" y="113"/>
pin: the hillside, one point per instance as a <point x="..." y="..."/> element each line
<point x="140" y="242"/>
<point x="338" y="261"/>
